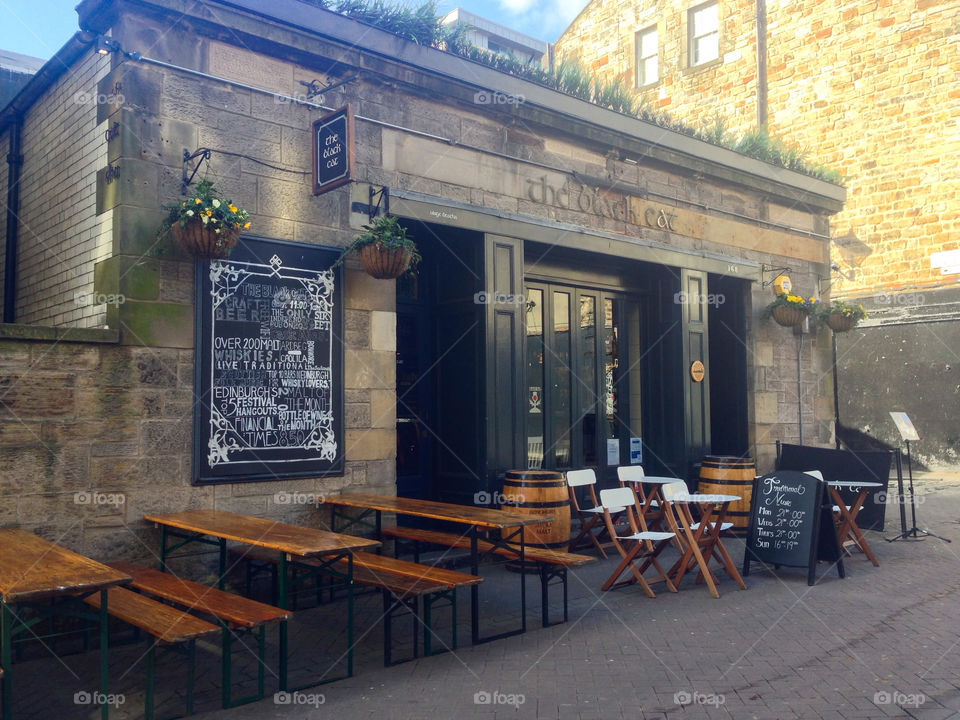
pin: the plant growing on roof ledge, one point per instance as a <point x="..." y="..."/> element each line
<point x="841" y="316"/>
<point x="206" y="225"/>
<point x="385" y="249"/>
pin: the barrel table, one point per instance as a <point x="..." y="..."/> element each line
<point x="726" y="475"/>
<point x="539" y="492"/>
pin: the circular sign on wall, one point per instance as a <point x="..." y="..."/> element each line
<point x="782" y="285"/>
<point x="697" y="371"/>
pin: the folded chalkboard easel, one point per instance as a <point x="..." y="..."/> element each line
<point x="791" y="524"/>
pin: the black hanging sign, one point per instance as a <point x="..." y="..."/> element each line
<point x="790" y="524"/>
<point x="269" y="364"/>
<point x="332" y="150"/>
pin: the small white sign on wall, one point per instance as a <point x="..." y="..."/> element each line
<point x="613" y="451"/>
<point x="636" y="451"/>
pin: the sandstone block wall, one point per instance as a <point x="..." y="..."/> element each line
<point x="870" y="88"/>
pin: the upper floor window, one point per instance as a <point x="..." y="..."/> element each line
<point x="647" y="52"/>
<point x="704" y="24"/>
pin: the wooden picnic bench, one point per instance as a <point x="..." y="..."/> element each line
<point x="402" y="583"/>
<point x="550" y="564"/>
<point x="167" y="624"/>
<point x="233" y="612"/>
<point x="33" y="572"/>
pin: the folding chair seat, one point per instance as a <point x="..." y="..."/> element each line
<point x="592" y="525"/>
<point x="638" y="544"/>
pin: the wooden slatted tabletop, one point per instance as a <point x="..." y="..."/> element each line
<point x="32" y="568"/>
<point x="464" y="514"/>
<point x="290" y="539"/>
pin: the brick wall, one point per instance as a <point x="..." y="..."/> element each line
<point x="870" y="88"/>
<point x="61" y="235"/>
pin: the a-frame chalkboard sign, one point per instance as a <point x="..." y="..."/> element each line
<point x="790" y="524"/>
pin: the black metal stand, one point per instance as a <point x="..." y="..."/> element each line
<point x="914" y="531"/>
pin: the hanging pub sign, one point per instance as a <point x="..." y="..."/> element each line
<point x="269" y="364"/>
<point x="332" y="150"/>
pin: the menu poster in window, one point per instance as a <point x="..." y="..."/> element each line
<point x="269" y="364"/>
<point x="789" y="523"/>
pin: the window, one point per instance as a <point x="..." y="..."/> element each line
<point x="704" y="33"/>
<point x="647" y="51"/>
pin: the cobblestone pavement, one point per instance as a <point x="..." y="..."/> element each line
<point x="882" y="643"/>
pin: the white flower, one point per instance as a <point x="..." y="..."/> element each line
<point x="215" y="203"/>
<point x="189" y="213"/>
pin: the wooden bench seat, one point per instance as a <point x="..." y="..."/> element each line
<point x="402" y="582"/>
<point x="168" y="624"/>
<point x="234" y="613"/>
<point x="551" y="564"/>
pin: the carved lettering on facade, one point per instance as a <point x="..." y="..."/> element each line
<point x="594" y="201"/>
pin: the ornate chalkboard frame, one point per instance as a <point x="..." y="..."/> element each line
<point x="280" y="415"/>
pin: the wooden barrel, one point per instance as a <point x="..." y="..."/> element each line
<point x="539" y="492"/>
<point x="730" y="476"/>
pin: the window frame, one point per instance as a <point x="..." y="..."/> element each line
<point x="640" y="80"/>
<point x="692" y="38"/>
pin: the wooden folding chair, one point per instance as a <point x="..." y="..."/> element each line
<point x="702" y="539"/>
<point x="639" y="544"/>
<point x="591" y="518"/>
<point x="632" y="475"/>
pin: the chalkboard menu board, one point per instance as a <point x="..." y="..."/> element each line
<point x="269" y="364"/>
<point x="789" y="523"/>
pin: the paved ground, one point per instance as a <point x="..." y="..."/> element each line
<point x="883" y="643"/>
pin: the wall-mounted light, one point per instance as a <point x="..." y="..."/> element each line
<point x="105" y="45"/>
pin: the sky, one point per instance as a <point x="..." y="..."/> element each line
<point x="40" y="27"/>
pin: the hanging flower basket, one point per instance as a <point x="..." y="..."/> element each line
<point x="384" y="263"/>
<point x="205" y="224"/>
<point x="838" y="322"/>
<point x="386" y="251"/>
<point x="203" y="242"/>
<point x="788" y="316"/>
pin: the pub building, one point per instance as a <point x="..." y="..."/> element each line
<point x="590" y="292"/>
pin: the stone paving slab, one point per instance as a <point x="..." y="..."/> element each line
<point x="883" y="643"/>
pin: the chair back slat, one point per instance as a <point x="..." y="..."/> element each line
<point x="628" y="473"/>
<point x="675" y="490"/>
<point x="577" y="478"/>
<point x="617" y="497"/>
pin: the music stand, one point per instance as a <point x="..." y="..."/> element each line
<point x="909" y="433"/>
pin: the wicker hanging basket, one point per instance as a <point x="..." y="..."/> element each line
<point x="838" y="322"/>
<point x="788" y="316"/>
<point x="200" y="241"/>
<point x="384" y="263"/>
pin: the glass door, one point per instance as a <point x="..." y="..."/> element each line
<point x="577" y="379"/>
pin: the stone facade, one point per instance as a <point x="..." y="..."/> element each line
<point x="868" y="88"/>
<point x="115" y="417"/>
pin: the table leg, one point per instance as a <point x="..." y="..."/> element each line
<point x="223" y="563"/>
<point x="282" y="600"/>
<point x="350" y="614"/>
<point x="104" y="656"/>
<point x="523" y="583"/>
<point x="474" y="590"/>
<point x="6" y="655"/>
<point x="163" y="548"/>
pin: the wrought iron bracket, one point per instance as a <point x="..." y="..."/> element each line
<point x="383" y="198"/>
<point x="771" y="272"/>
<point x="200" y="155"/>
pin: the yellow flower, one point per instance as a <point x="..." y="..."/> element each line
<point x="183" y="204"/>
<point x="209" y="213"/>
<point x="196" y="200"/>
<point x="246" y="225"/>
<point x="232" y="208"/>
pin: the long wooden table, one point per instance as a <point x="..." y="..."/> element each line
<point x="33" y="569"/>
<point x="196" y="526"/>
<point x="477" y="519"/>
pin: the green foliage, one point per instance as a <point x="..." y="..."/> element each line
<point x="387" y="232"/>
<point x="846" y="309"/>
<point x="208" y="206"/>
